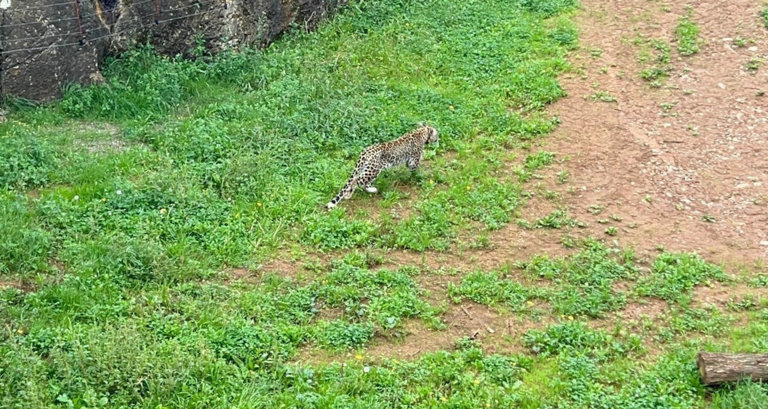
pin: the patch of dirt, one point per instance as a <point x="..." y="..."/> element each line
<point x="283" y="268"/>
<point x="664" y="170"/>
<point x="720" y="295"/>
<point x="651" y="308"/>
<point x="495" y="333"/>
<point x="112" y="145"/>
<point x="237" y="274"/>
<point x="22" y="286"/>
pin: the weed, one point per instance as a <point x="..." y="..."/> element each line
<point x="673" y="276"/>
<point x="745" y="394"/>
<point x="25" y="248"/>
<point x="595" y="209"/>
<point x="687" y="34"/>
<point x="662" y="49"/>
<point x="761" y="280"/>
<point x="340" y="334"/>
<point x="611" y="231"/>
<point x="491" y="289"/>
<point x="332" y="231"/>
<point x="574" y="338"/>
<point x="764" y="14"/>
<point x="603" y="96"/>
<point x="26" y="160"/>
<point x="549" y="8"/>
<point x="555" y="220"/>
<point x="532" y="163"/>
<point x="584" y="281"/>
<point x="754" y="64"/>
<point x="654" y="74"/>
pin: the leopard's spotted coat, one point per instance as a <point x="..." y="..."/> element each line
<point x="405" y="150"/>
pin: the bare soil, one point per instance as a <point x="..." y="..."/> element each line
<point x="666" y="171"/>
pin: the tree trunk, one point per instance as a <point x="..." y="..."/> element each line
<point x="716" y="368"/>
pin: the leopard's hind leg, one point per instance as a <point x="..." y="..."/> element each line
<point x="368" y="175"/>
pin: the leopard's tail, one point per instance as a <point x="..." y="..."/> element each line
<point x="346" y="191"/>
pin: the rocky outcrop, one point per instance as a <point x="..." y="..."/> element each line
<point x="42" y="47"/>
<point x="48" y="43"/>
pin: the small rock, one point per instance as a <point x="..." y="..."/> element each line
<point x="753" y="48"/>
<point x="721" y="85"/>
<point x="764" y="243"/>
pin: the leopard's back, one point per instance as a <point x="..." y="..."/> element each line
<point x="400" y="151"/>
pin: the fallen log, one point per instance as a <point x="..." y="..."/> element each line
<point x="719" y="368"/>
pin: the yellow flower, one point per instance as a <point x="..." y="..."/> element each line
<point x="570" y="318"/>
<point x="163" y="211"/>
<point x="359" y="357"/>
<point x="237" y="215"/>
<point x="487" y="405"/>
<point x="450" y="107"/>
<point x="477" y="382"/>
<point x="20" y="331"/>
<point x="443" y="399"/>
<point x="103" y="199"/>
<point x="530" y="303"/>
<point x="431" y="182"/>
<point x="258" y="204"/>
<point x="469" y="187"/>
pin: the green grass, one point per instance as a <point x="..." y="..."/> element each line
<point x="745" y="395"/>
<point x="583" y="283"/>
<point x="673" y="277"/>
<point x="242" y="150"/>
<point x="687" y="34"/>
<point x="125" y="206"/>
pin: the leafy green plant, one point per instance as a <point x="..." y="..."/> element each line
<point x="333" y="231"/>
<point x="743" y="395"/>
<point x="26" y="160"/>
<point x="340" y="334"/>
<point x="491" y="289"/>
<point x="764" y="14"/>
<point x="673" y="276"/>
<point x="584" y="281"/>
<point x="555" y="220"/>
<point x="687" y="34"/>
<point x="574" y="338"/>
<point x="25" y="248"/>
<point x="549" y="7"/>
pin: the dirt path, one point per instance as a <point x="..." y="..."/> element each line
<point x="668" y="158"/>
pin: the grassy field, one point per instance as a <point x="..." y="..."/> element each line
<point x="125" y="207"/>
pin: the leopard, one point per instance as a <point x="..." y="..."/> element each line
<point x="407" y="150"/>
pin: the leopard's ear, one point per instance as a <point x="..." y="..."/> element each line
<point x="420" y="124"/>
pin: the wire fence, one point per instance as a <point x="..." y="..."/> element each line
<point x="189" y="11"/>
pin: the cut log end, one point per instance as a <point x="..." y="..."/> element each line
<point x="719" y="368"/>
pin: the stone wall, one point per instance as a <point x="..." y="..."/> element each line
<point x="45" y="44"/>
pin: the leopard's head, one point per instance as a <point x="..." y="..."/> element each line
<point x="432" y="136"/>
